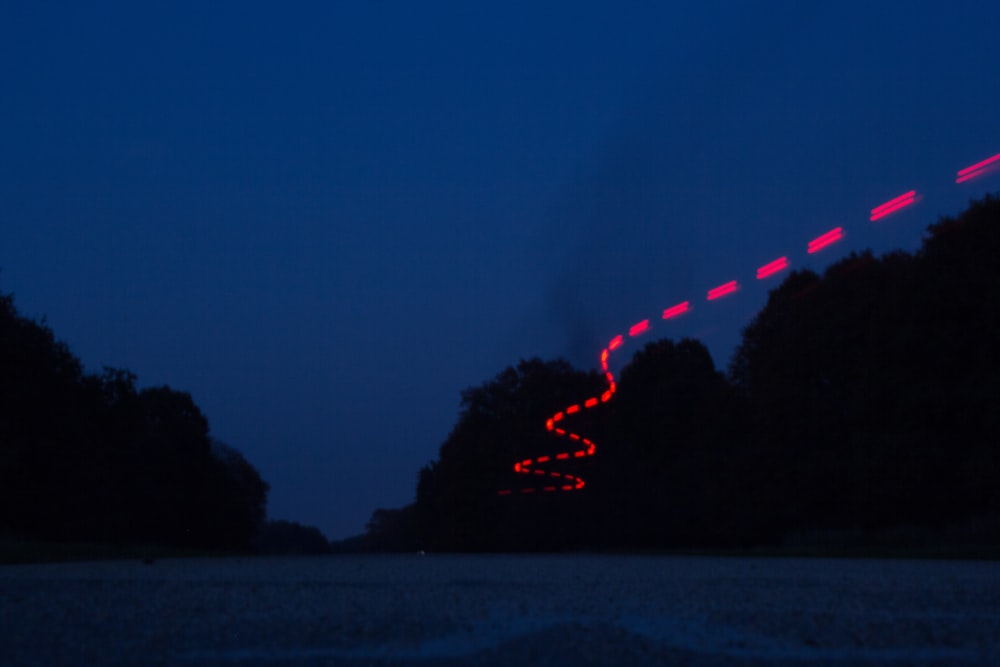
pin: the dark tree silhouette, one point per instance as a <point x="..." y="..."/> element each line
<point x="672" y="432"/>
<point x="237" y="501"/>
<point x="393" y="530"/>
<point x="88" y="457"/>
<point x="874" y="388"/>
<point x="290" y="538"/>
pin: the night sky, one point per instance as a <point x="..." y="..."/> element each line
<point x="326" y="220"/>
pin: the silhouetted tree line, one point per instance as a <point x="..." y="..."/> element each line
<point x="862" y="407"/>
<point x="88" y="457"/>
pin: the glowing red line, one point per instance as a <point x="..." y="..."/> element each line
<point x="892" y="202"/>
<point x="970" y="172"/>
<point x="824" y="240"/>
<point x="550" y="423"/>
<point x="771" y="268"/>
<point x="675" y="311"/>
<point x="723" y="290"/>
<point x="890" y="211"/>
<point x="893" y="205"/>
<point x="638" y="328"/>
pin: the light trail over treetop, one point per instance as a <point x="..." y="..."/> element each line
<point x="560" y="481"/>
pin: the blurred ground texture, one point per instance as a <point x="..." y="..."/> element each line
<point x="501" y="610"/>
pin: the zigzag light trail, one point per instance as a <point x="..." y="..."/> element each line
<point x="545" y="480"/>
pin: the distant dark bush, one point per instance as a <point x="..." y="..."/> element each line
<point x="289" y="538"/>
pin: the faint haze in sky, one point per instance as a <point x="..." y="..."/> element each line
<point x="325" y="221"/>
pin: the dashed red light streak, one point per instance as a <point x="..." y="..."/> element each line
<point x="723" y="290"/>
<point x="574" y="483"/>
<point x="893" y="205"/>
<point x="772" y="268"/>
<point x="978" y="169"/>
<point x="824" y="240"/>
<point x="676" y="311"/>
<point x="640" y="328"/>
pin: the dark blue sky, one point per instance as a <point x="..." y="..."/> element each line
<point x="325" y="221"/>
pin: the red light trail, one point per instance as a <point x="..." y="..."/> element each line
<point x="676" y="311"/>
<point x="583" y="447"/>
<point x="639" y="328"/>
<point x="978" y="169"/>
<point x="772" y="268"/>
<point x="893" y="205"/>
<point x="723" y="290"/>
<point x="824" y="240"/>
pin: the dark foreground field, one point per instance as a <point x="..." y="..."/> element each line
<point x="501" y="610"/>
